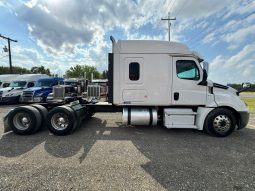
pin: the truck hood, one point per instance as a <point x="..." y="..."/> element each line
<point x="7" y="89"/>
<point x="227" y="96"/>
<point x="220" y="87"/>
<point x="11" y="91"/>
<point x="38" y="89"/>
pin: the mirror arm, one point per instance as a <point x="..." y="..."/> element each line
<point x="242" y="90"/>
<point x="204" y="80"/>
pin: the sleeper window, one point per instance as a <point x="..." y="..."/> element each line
<point x="134" y="71"/>
<point x="187" y="69"/>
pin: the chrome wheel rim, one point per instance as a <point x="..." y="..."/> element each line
<point x="22" y="121"/>
<point x="221" y="124"/>
<point x="59" y="121"/>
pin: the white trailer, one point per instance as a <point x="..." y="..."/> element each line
<point x="152" y="83"/>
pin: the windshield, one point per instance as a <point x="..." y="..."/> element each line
<point x="44" y="83"/>
<point x="18" y="84"/>
<point x="71" y="83"/>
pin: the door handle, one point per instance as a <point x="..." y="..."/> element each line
<point x="176" y="96"/>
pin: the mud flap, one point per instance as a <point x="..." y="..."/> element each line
<point x="7" y="128"/>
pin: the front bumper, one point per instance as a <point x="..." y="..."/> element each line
<point x="31" y="99"/>
<point x="12" y="99"/>
<point x="244" y="119"/>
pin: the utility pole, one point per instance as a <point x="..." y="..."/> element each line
<point x="169" y="19"/>
<point x="9" y="50"/>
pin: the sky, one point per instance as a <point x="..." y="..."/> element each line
<point x="59" y="34"/>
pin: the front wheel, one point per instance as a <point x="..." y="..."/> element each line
<point x="220" y="122"/>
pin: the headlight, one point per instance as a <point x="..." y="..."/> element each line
<point x="8" y="95"/>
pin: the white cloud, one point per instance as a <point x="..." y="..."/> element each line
<point x="60" y="25"/>
<point x="235" y="69"/>
<point x="240" y="35"/>
<point x="74" y="32"/>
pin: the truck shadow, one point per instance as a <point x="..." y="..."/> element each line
<point x="12" y="145"/>
<point x="188" y="158"/>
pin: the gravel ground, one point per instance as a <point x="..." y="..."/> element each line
<point x="104" y="155"/>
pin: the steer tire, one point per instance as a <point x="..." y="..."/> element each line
<point x="220" y="122"/>
<point x="53" y="120"/>
<point x="30" y="115"/>
<point x="44" y="112"/>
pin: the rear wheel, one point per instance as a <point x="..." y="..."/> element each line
<point x="44" y="112"/>
<point x="220" y="122"/>
<point x="25" y="120"/>
<point x="61" y="120"/>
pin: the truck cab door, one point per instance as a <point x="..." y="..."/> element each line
<point x="187" y="74"/>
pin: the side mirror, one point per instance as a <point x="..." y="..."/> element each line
<point x="206" y="67"/>
<point x="246" y="85"/>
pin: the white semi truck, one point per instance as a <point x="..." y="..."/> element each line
<point x="152" y="83"/>
<point x="5" y="79"/>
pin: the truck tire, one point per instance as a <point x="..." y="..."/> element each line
<point x="44" y="112"/>
<point x="220" y="122"/>
<point x="62" y="120"/>
<point x="24" y="120"/>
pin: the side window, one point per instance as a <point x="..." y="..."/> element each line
<point x="134" y="71"/>
<point x="30" y="84"/>
<point x="187" y="69"/>
<point x="6" y="85"/>
<point x="55" y="83"/>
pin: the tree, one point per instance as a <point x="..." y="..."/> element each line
<point x="16" y="70"/>
<point x="104" y="74"/>
<point x="79" y="71"/>
<point x="40" y="70"/>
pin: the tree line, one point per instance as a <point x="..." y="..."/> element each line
<point x="239" y="87"/>
<point x="20" y="70"/>
<point x="80" y="71"/>
<point x="73" y="72"/>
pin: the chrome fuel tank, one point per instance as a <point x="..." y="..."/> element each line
<point x="139" y="116"/>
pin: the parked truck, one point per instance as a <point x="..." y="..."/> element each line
<point x="79" y="84"/>
<point x="5" y="79"/>
<point x="42" y="89"/>
<point x="152" y="83"/>
<point x="63" y="94"/>
<point x="12" y="94"/>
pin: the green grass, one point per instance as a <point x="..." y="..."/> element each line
<point x="251" y="104"/>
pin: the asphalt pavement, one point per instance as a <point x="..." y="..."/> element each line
<point x="105" y="155"/>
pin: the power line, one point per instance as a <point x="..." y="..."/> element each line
<point x="3" y="56"/>
<point x="168" y="19"/>
<point x="193" y="39"/>
<point x="183" y="5"/>
<point x="169" y="5"/>
<point x="9" y="40"/>
<point x="172" y="5"/>
<point x="234" y="23"/>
